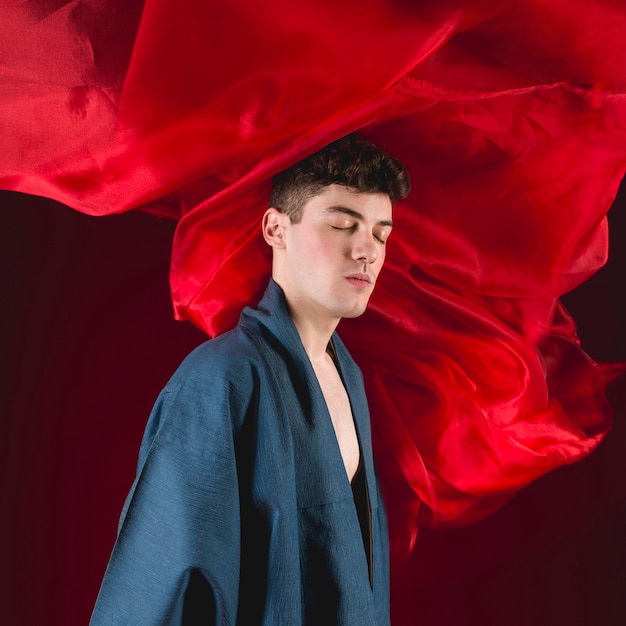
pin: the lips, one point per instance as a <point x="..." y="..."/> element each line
<point x="359" y="280"/>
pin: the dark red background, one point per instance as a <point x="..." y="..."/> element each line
<point x="88" y="340"/>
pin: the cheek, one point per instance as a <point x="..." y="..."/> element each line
<point x="317" y="252"/>
<point x="380" y="261"/>
<point x="327" y="250"/>
<point x="382" y="254"/>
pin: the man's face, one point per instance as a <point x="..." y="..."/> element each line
<point x="332" y="257"/>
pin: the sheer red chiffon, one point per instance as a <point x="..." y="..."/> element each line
<point x="511" y="118"/>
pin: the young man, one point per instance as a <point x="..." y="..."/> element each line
<point x="256" y="500"/>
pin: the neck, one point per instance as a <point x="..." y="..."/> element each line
<point x="315" y="336"/>
<point x="315" y="330"/>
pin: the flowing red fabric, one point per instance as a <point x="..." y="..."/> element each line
<point x="511" y="118"/>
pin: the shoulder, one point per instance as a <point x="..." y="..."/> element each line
<point x="228" y="355"/>
<point x="223" y="371"/>
<point x="210" y="392"/>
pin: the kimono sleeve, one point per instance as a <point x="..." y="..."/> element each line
<point x="180" y="525"/>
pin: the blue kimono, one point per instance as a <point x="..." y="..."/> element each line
<point x="242" y="512"/>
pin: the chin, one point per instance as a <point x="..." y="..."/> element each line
<point x="355" y="311"/>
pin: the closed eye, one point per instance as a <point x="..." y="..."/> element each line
<point x="382" y="235"/>
<point x="347" y="228"/>
<point x="382" y="239"/>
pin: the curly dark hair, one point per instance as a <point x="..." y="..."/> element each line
<point x="351" y="161"/>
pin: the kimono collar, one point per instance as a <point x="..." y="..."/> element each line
<point x="272" y="314"/>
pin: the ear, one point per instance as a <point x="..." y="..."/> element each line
<point x="273" y="226"/>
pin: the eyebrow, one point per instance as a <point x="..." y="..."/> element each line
<point x="338" y="208"/>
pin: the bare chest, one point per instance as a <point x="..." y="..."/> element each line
<point x="341" y="416"/>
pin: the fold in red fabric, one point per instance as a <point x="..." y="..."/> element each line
<point x="511" y="118"/>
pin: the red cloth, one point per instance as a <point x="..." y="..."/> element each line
<point x="511" y="117"/>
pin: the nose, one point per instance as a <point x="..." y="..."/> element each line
<point x="365" y="249"/>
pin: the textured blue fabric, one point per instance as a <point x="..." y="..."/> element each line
<point x="241" y="512"/>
